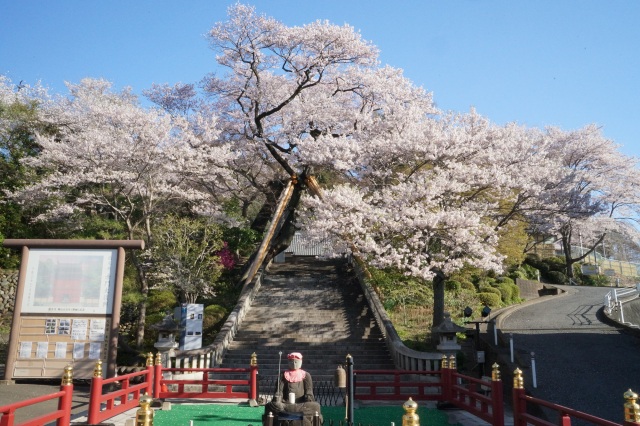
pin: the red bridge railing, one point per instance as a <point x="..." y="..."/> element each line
<point x="104" y="405"/>
<point x="396" y="385"/>
<point x="481" y="397"/>
<point x="62" y="416"/>
<point x="522" y="417"/>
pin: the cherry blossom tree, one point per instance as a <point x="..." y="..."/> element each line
<point x="593" y="192"/>
<point x="425" y="191"/>
<point x="112" y="157"/>
<point x="431" y="195"/>
<point x="21" y="106"/>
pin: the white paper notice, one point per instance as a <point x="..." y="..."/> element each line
<point x="25" y="349"/>
<point x="79" y="329"/>
<point x="42" y="349"/>
<point x="61" y="350"/>
<point x="78" y="350"/>
<point x="94" y="350"/>
<point x="96" y="332"/>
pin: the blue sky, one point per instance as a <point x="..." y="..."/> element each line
<point x="536" y="62"/>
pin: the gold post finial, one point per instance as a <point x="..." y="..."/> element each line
<point x="495" y="372"/>
<point x="97" y="370"/>
<point x="158" y="359"/>
<point x="518" y="382"/>
<point x="452" y="362"/>
<point x="410" y="417"/>
<point x="144" y="415"/>
<point x="445" y="362"/>
<point x="254" y="360"/>
<point x="67" y="377"/>
<point x="149" y="359"/>
<point x="631" y="408"/>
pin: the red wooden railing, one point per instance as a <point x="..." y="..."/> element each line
<point x="479" y="397"/>
<point x="62" y="416"/>
<point x="420" y="385"/>
<point x="207" y="386"/>
<point x="521" y="416"/>
<point x="483" y="398"/>
<point x="103" y="405"/>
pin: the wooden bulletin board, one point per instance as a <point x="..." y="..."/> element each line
<point x="67" y="307"/>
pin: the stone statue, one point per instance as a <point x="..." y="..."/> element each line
<point x="297" y="382"/>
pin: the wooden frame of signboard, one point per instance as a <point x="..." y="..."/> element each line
<point x="67" y="307"/>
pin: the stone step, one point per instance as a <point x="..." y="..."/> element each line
<point x="314" y="307"/>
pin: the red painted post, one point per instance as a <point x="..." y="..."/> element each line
<point x="95" y="394"/>
<point x="497" y="398"/>
<point x="253" y="381"/>
<point x="445" y="378"/>
<point x="7" y="419"/>
<point x="157" y="376"/>
<point x="64" y="403"/>
<point x="519" y="403"/>
<point x="565" y="420"/>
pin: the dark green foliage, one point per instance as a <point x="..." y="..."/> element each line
<point x="556" y="277"/>
<point x="214" y="316"/>
<point x="467" y="285"/>
<point x="594" y="280"/>
<point x="489" y="289"/>
<point x="452" y="285"/>
<point x="505" y="280"/>
<point x="18" y="125"/>
<point x="491" y="299"/>
<point x="510" y="293"/>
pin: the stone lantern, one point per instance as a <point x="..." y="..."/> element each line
<point x="166" y="344"/>
<point x="446" y="332"/>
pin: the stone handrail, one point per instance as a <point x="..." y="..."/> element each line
<point x="404" y="357"/>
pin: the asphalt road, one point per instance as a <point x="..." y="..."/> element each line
<point x="581" y="362"/>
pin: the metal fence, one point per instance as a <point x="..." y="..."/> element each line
<point x="324" y="391"/>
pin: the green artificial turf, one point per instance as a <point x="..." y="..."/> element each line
<point x="243" y="415"/>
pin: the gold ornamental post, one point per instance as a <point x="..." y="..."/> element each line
<point x="144" y="415"/>
<point x="410" y="417"/>
<point x="631" y="408"/>
<point x="518" y="381"/>
<point x="495" y="372"/>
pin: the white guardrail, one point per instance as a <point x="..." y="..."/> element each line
<point x="614" y="299"/>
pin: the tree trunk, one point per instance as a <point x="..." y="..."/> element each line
<point x="142" y="306"/>
<point x="438" y="303"/>
<point x="566" y="248"/>
<point x="566" y="234"/>
<point x="261" y="220"/>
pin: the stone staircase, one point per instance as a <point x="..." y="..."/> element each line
<point x="313" y="306"/>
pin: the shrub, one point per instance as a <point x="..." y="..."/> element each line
<point x="161" y="301"/>
<point x="452" y="285"/>
<point x="491" y="299"/>
<point x="486" y="281"/>
<point x="213" y="317"/>
<point x="505" y="292"/>
<point x="595" y="280"/>
<point x="213" y="314"/>
<point x="510" y="292"/>
<point x="489" y="289"/>
<point x="505" y="280"/>
<point x="557" y="277"/>
<point x="467" y="285"/>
